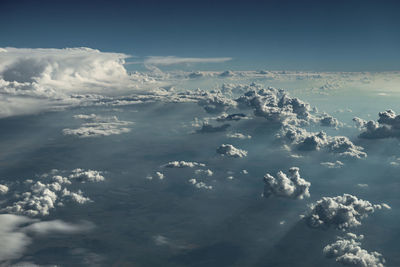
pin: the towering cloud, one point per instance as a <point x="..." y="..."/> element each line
<point x="388" y="125"/>
<point x="347" y="250"/>
<point x="288" y="186"/>
<point x="341" y="212"/>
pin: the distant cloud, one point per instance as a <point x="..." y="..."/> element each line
<point x="172" y="60"/>
<point x="98" y="126"/>
<point x="347" y="250"/>
<point x="333" y="165"/>
<point x="183" y="164"/>
<point x="231" y="151"/>
<point x="288" y="186"/>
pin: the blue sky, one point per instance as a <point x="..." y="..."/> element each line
<point x="293" y="35"/>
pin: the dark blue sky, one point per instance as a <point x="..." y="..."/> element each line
<point x="295" y="35"/>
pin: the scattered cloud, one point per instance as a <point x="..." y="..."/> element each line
<point x="96" y="126"/>
<point x="287" y="186"/>
<point x="347" y="251"/>
<point x="333" y="165"/>
<point x="172" y="60"/>
<point x="341" y="212"/>
<point x="231" y="151"/>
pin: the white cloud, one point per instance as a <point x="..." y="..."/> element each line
<point x="388" y="125"/>
<point x="347" y="250"/>
<point x="34" y="198"/>
<point x="183" y="164"/>
<point x="171" y="60"/>
<point x="288" y="186"/>
<point x="333" y="165"/>
<point x="99" y="126"/>
<point x="238" y="136"/>
<point x="17" y="232"/>
<point x="199" y="184"/>
<point x="341" y="212"/>
<point x="231" y="151"/>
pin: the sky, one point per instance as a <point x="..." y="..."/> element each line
<point x="277" y="35"/>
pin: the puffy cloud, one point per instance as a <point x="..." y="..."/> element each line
<point x="160" y="175"/>
<point x="333" y="165"/>
<point x="183" y="164"/>
<point x="98" y="126"/>
<point x="171" y="60"/>
<point x="308" y="141"/>
<point x="33" y="80"/>
<point x="40" y="197"/>
<point x="277" y="106"/>
<point x="3" y="189"/>
<point x="388" y="125"/>
<point x="200" y="185"/>
<point x="238" y="136"/>
<point x="341" y="212"/>
<point x="288" y="186"/>
<point x="231" y="151"/>
<point x="347" y="250"/>
<point x="17" y="232"/>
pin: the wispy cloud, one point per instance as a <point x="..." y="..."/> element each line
<point x="172" y="60"/>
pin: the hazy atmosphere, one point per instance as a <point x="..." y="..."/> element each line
<point x="199" y="133"/>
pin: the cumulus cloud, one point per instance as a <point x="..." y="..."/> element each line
<point x="333" y="165"/>
<point x="341" y="212"/>
<point x="288" y="186"/>
<point x="275" y="105"/>
<point x="231" y="151"/>
<point x="171" y="60"/>
<point x="34" y="198"/>
<point x="183" y="164"/>
<point x="347" y="250"/>
<point x="96" y="126"/>
<point x="33" y="80"/>
<point x="388" y="125"/>
<point x="17" y="232"/>
<point x="309" y="141"/>
<point x="199" y="184"/>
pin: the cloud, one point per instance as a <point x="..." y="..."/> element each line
<point x="238" y="136"/>
<point x="333" y="165"/>
<point x="341" y="212"/>
<point x="171" y="60"/>
<point x="200" y="185"/>
<point x="276" y="106"/>
<point x="34" y="80"/>
<point x="387" y="126"/>
<point x="207" y="128"/>
<point x="183" y="164"/>
<point x="34" y="198"/>
<point x="231" y="151"/>
<point x="311" y="141"/>
<point x="231" y="117"/>
<point x="96" y="126"/>
<point x="347" y="251"/>
<point x="287" y="186"/>
<point x="17" y="232"/>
